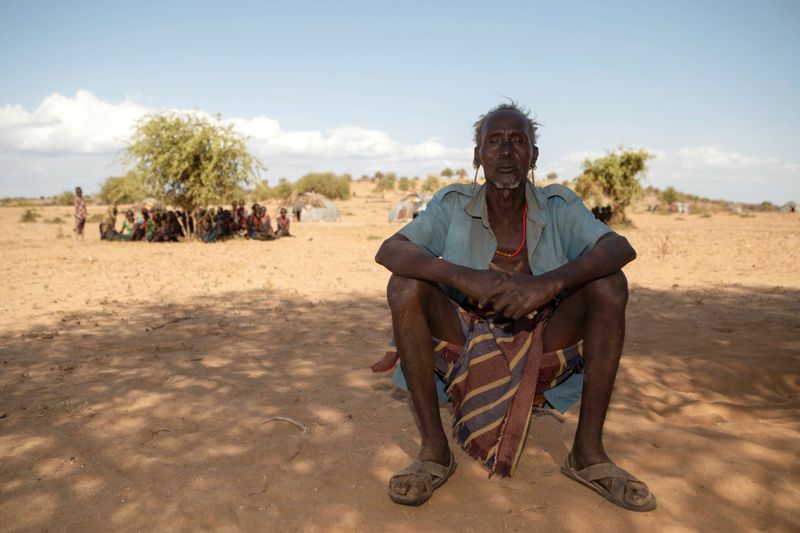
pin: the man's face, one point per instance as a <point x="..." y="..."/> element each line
<point x="505" y="152"/>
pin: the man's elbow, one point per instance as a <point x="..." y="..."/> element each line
<point x="383" y="253"/>
<point x="628" y="250"/>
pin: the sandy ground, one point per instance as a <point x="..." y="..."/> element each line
<point x="138" y="379"/>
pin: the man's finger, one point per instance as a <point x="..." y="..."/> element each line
<point x="489" y="296"/>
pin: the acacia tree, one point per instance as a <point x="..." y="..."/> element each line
<point x="190" y="161"/>
<point x="617" y="177"/>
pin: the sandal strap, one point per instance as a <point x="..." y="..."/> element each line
<point x="419" y="469"/>
<point x="435" y="469"/>
<point x="604" y="470"/>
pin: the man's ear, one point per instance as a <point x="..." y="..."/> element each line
<point x="476" y="158"/>
<point x="534" y="155"/>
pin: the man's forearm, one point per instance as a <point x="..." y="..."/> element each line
<point x="404" y="258"/>
<point x="607" y="256"/>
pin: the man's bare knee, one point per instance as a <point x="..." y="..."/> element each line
<point x="402" y="291"/>
<point x="610" y="291"/>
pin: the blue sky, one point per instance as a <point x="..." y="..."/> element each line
<point x="710" y="87"/>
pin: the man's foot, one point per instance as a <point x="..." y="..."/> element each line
<point x="607" y="479"/>
<point x="414" y="485"/>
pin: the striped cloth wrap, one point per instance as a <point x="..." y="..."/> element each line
<point x="494" y="380"/>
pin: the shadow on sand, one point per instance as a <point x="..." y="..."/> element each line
<point x="155" y="417"/>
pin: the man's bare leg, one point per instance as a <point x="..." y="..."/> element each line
<point x="420" y="309"/>
<point x="596" y="313"/>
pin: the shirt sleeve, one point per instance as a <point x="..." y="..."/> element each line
<point x="429" y="229"/>
<point x="578" y="229"/>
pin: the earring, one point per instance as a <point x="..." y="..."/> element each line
<point x="475" y="180"/>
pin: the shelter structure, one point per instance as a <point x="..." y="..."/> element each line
<point x="409" y="207"/>
<point x="789" y="207"/>
<point x="313" y="207"/>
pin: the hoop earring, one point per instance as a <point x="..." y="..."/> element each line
<point x="475" y="179"/>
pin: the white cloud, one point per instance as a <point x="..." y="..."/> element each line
<point x="68" y="141"/>
<point x="41" y="149"/>
<point x="83" y="124"/>
<point x="709" y="171"/>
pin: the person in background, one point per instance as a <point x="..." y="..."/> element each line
<point x="128" y="225"/>
<point x="80" y="213"/>
<point x="108" y="231"/>
<point x="283" y="224"/>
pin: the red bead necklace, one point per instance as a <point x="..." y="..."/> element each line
<point x="524" y="235"/>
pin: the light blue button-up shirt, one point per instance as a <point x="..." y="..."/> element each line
<point x="455" y="226"/>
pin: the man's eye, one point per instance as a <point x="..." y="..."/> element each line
<point x="494" y="140"/>
<point x="516" y="140"/>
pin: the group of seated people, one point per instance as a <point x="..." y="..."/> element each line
<point x="603" y="213"/>
<point x="212" y="224"/>
<point x="221" y="224"/>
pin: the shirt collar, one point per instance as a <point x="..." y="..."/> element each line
<point x="477" y="207"/>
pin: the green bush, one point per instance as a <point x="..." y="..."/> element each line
<point x="404" y="184"/>
<point x="325" y="183"/>
<point x="432" y="184"/>
<point x="29" y="216"/>
<point x="65" y="198"/>
<point x="385" y="183"/>
<point x="282" y="191"/>
<point x="669" y="196"/>
<point x="15" y="202"/>
<point x="126" y="189"/>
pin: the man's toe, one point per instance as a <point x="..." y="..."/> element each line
<point x="405" y="485"/>
<point x="637" y="493"/>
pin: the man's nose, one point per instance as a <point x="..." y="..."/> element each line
<point x="506" y="147"/>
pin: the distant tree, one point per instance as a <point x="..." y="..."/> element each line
<point x="386" y="183"/>
<point x="282" y="191"/>
<point x="461" y="173"/>
<point x="126" y="189"/>
<point x="190" y="161"/>
<point x="404" y="183"/>
<point x="447" y="173"/>
<point x="616" y="176"/>
<point x="669" y="195"/>
<point x="327" y="184"/>
<point x="431" y="184"/>
<point x="551" y="176"/>
<point x="377" y="176"/>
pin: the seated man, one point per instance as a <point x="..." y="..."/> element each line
<point x="497" y="290"/>
<point x="108" y="231"/>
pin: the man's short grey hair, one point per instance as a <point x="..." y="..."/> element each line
<point x="510" y="106"/>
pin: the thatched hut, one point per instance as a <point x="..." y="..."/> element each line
<point x="789" y="207"/>
<point x="313" y="207"/>
<point x="408" y="208"/>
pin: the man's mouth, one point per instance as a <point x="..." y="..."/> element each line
<point x="507" y="169"/>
